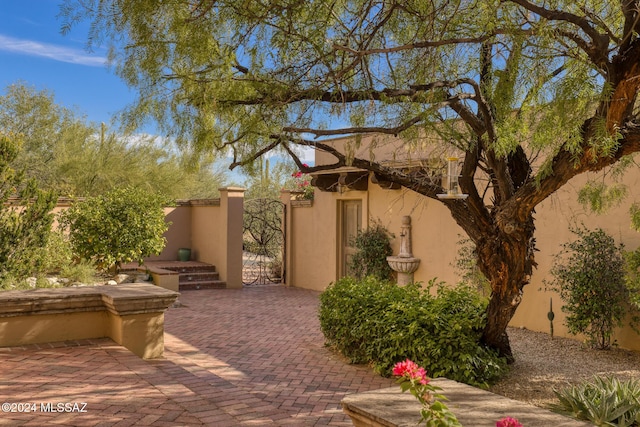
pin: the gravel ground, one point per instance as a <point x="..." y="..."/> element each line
<point x="543" y="363"/>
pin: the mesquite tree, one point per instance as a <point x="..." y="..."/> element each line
<point x="531" y="92"/>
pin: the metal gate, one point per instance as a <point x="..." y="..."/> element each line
<point x="262" y="242"/>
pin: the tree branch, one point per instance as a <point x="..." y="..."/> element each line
<point x="289" y="96"/>
<point x="631" y="19"/>
<point x="597" y="49"/>
<point x="254" y="156"/>
<point x="565" y="166"/>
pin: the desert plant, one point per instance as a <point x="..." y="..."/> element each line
<point x="632" y="277"/>
<point x="589" y="274"/>
<point x="25" y="221"/>
<point x="55" y="254"/>
<point x="373" y="247"/>
<point x="123" y="225"/>
<point x="82" y="271"/>
<point x="605" y="401"/>
<point x="378" y="322"/>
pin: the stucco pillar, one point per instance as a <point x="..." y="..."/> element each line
<point x="232" y="205"/>
<point x="287" y="244"/>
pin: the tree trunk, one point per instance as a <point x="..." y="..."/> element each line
<point x="506" y="259"/>
<point x="499" y="313"/>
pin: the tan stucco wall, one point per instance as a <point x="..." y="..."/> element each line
<point x="207" y="242"/>
<point x="21" y="330"/>
<point x="312" y="254"/>
<point x="130" y="314"/>
<point x="315" y="239"/>
<point x="553" y="219"/>
<point x="142" y="334"/>
<point x="217" y="235"/>
<point x="435" y="236"/>
<point x="179" y="233"/>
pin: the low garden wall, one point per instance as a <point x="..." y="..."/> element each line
<point x="472" y="406"/>
<point x="132" y="315"/>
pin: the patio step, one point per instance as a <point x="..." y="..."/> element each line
<point x="193" y="275"/>
<point x="202" y="276"/>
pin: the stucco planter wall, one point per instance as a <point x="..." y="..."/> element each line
<point x="132" y="315"/>
<point x="472" y="406"/>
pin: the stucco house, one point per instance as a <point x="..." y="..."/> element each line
<point x="348" y="199"/>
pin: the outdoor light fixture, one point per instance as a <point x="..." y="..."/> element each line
<point x="453" y="190"/>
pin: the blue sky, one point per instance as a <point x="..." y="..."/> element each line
<point x="34" y="52"/>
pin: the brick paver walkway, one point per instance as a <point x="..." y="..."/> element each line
<point x="247" y="357"/>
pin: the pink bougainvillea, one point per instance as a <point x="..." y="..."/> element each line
<point x="411" y="370"/>
<point x="508" y="422"/>
<point x="303" y="184"/>
<point x="413" y="378"/>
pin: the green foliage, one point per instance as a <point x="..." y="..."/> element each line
<point x="466" y="263"/>
<point x="506" y="83"/>
<point x="599" y="197"/>
<point x="25" y="221"/>
<point x="378" y="322"/>
<point x="55" y="254"/>
<point x="589" y="274"/>
<point x="634" y="210"/>
<point x="603" y="401"/>
<point x="632" y="263"/>
<point x="82" y="271"/>
<point x="433" y="412"/>
<point x="123" y="225"/>
<point x="266" y="180"/>
<point x="373" y="247"/>
<point x="64" y="153"/>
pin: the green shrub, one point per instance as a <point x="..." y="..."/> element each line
<point x="373" y="247"/>
<point x="55" y="254"/>
<point x="82" y="271"/>
<point x="632" y="260"/>
<point x="378" y="322"/>
<point x="123" y="225"/>
<point x="25" y="222"/>
<point x="603" y="401"/>
<point x="589" y="274"/>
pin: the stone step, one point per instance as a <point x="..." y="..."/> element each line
<point x="191" y="268"/>
<point x="202" y="284"/>
<point x="195" y="277"/>
<point x="191" y="274"/>
<point x="198" y="276"/>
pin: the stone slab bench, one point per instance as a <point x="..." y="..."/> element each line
<point x="472" y="406"/>
<point x="130" y="314"/>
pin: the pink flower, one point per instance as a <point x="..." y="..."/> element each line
<point x="413" y="378"/>
<point x="410" y="370"/>
<point x="421" y="374"/>
<point x="508" y="422"/>
<point x="406" y="367"/>
<point x="296" y="174"/>
<point x="305" y="165"/>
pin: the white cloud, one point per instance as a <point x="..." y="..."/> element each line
<point x="50" y="51"/>
<point x="306" y="154"/>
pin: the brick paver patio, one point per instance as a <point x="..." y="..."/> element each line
<point x="247" y="357"/>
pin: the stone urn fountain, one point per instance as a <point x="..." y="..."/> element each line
<point x="404" y="263"/>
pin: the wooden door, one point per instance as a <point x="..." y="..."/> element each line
<point x="350" y="224"/>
